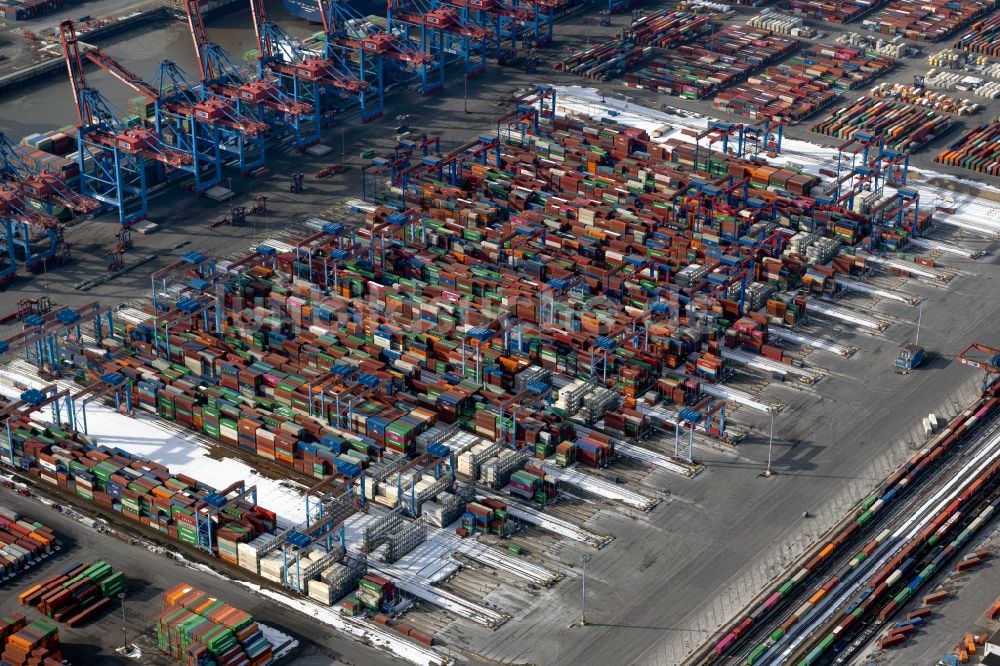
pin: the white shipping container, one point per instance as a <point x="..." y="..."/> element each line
<point x="319" y="591"/>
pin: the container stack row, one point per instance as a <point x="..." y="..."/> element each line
<point x="199" y="630"/>
<point x="663" y="29"/>
<point x="667" y="29"/>
<point x="902" y="126"/>
<point x="605" y="61"/>
<point x="328" y="360"/>
<point x="782" y="24"/>
<point x="982" y="37"/>
<point x="804" y="84"/>
<point x="78" y="594"/>
<point x="140" y="490"/>
<point x="24" y="643"/>
<point x="834" y="11"/>
<point x="23" y="542"/>
<point x="22" y="10"/>
<point x="927" y="20"/>
<point x="53" y="151"/>
<point x="978" y="150"/>
<point x="696" y="70"/>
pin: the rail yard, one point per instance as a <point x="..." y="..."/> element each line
<point x="517" y="333"/>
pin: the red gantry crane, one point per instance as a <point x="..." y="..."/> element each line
<point x="990" y="365"/>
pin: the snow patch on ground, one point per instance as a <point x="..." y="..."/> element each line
<point x="183" y="452"/>
<point x="331" y="616"/>
<point x="283" y="644"/>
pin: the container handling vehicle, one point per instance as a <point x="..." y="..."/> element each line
<point x="910" y="358"/>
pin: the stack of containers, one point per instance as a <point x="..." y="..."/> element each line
<point x="78" y="594"/>
<point x="486" y="517"/>
<point x="546" y="487"/>
<point x="594" y="453"/>
<point x="978" y="150"/>
<point x="376" y="593"/>
<point x="34" y="643"/>
<point x="927" y="20"/>
<point x="197" y="629"/>
<point x="22" y="542"/>
<point x="903" y="127"/>
<point x="400" y="435"/>
<point x="51" y="151"/>
<point x="230" y="537"/>
<point x="747" y="333"/>
<point x="626" y="421"/>
<point x="524" y="484"/>
<point x="352" y="606"/>
<point x="565" y="454"/>
<point x="982" y="37"/>
<point x="57" y="142"/>
<point x="476" y="517"/>
<point x="498" y="525"/>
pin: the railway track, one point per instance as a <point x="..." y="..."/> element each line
<point x="756" y="635"/>
<point x="853" y="571"/>
<point x="879" y="587"/>
<point x="985" y="511"/>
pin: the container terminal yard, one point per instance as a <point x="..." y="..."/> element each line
<point x="518" y="333"/>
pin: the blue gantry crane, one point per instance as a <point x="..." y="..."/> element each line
<point x="376" y="56"/>
<point x="258" y="98"/>
<point x="443" y="34"/>
<point x="186" y="127"/>
<point x="228" y="131"/>
<point x="113" y="154"/>
<point x="310" y="77"/>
